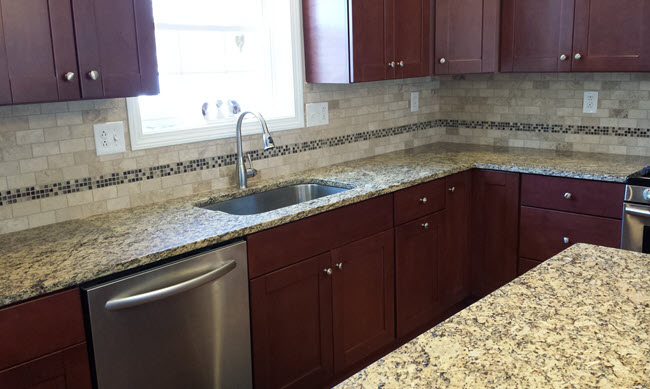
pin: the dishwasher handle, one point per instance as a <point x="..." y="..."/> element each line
<point x="637" y="211"/>
<point x="159" y="294"/>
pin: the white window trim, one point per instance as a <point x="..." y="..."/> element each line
<point x="140" y="141"/>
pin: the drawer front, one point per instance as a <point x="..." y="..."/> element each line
<point x="566" y="194"/>
<point x="526" y="264"/>
<point x="39" y="327"/>
<point x="281" y="246"/>
<point x="418" y="201"/>
<point x="542" y="232"/>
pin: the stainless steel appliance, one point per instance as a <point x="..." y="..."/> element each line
<point x="636" y="213"/>
<point x="180" y="325"/>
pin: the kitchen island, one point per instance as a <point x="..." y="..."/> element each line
<point x="581" y="319"/>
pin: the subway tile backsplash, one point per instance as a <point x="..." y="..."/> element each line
<point x="49" y="171"/>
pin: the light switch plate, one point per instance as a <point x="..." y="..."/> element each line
<point x="109" y="138"/>
<point x="590" y="104"/>
<point x="415" y="101"/>
<point x="317" y="114"/>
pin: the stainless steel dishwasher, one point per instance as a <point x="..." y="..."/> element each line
<point x="180" y="325"/>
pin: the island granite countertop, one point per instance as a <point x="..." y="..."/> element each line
<point x="579" y="320"/>
<point x="54" y="257"/>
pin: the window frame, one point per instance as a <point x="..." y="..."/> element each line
<point x="141" y="141"/>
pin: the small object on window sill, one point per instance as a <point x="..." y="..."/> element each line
<point x="220" y="114"/>
<point x="204" y="110"/>
<point x="233" y="108"/>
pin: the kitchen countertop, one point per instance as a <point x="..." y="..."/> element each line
<point x="581" y="319"/>
<point x="53" y="257"/>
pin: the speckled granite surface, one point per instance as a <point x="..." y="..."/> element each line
<point x="49" y="258"/>
<point x="580" y="320"/>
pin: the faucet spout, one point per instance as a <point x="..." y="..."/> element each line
<point x="243" y="173"/>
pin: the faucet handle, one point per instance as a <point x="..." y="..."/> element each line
<point x="251" y="171"/>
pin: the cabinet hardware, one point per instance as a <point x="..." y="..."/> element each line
<point x="69" y="76"/>
<point x="566" y="240"/>
<point x="563" y="57"/>
<point x="423" y="200"/>
<point x="340" y="265"/>
<point x="93" y="75"/>
<point x="401" y="64"/>
<point x="578" y="56"/>
<point x="568" y="196"/>
<point x="391" y="64"/>
<point x="442" y="60"/>
<point x="425" y="226"/>
<point x="452" y="189"/>
<point x="328" y="271"/>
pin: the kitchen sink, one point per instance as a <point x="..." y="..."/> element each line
<point x="274" y="199"/>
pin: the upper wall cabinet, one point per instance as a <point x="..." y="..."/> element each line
<point x="366" y="40"/>
<point x="106" y="50"/>
<point x="575" y="35"/>
<point x="466" y="36"/>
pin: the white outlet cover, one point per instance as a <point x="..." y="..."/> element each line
<point x="109" y="138"/>
<point x="590" y="103"/>
<point x="317" y="114"/>
<point x="415" y="101"/>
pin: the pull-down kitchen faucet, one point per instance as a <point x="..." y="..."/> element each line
<point x="243" y="173"/>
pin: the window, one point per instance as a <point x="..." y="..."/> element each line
<point x="217" y="58"/>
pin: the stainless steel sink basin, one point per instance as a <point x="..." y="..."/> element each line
<point x="274" y="199"/>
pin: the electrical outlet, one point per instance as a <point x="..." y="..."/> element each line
<point x="109" y="138"/>
<point x="317" y="114"/>
<point x="590" y="104"/>
<point x="415" y="101"/>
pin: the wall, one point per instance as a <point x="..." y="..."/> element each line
<point x="49" y="171"/>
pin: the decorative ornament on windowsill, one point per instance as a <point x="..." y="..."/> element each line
<point x="239" y="41"/>
<point x="222" y="111"/>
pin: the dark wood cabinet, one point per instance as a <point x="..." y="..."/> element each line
<point x="55" y="50"/>
<point x="495" y="226"/>
<point x="350" y="41"/>
<point x="115" y="38"/>
<point x="466" y="38"/>
<point x="291" y="316"/>
<point x="575" y="35"/>
<point x="364" y="298"/>
<point x="418" y="255"/>
<point x="536" y="36"/>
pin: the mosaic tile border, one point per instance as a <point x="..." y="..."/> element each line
<point x="14" y="196"/>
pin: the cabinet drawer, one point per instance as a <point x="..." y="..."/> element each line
<point x="542" y="232"/>
<point x="418" y="201"/>
<point x="39" y="327"/>
<point x="287" y="244"/>
<point x="571" y="195"/>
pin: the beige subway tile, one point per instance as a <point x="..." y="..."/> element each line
<point x="33" y="165"/>
<point x="104" y="193"/>
<point x="29" y="137"/>
<point x="45" y="149"/>
<point x="53" y="203"/>
<point x="95" y="208"/>
<point x="54" y="107"/>
<point x="26" y="208"/>
<point x="69" y="118"/>
<point x="42" y="121"/>
<point x="74" y="172"/>
<point x="78" y="198"/>
<point x="72" y="145"/>
<point x="57" y="133"/>
<point x="68" y="213"/>
<point x="41" y="219"/>
<point x="14" y="225"/>
<point x="60" y="160"/>
<point x="118" y="203"/>
<point x="16" y="153"/>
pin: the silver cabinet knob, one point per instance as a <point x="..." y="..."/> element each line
<point x="452" y="189"/>
<point x="340" y="265"/>
<point x="568" y="196"/>
<point x="563" y="57"/>
<point x="425" y="226"/>
<point x="69" y="76"/>
<point x="423" y="200"/>
<point x="93" y="75"/>
<point x="391" y="64"/>
<point x="566" y="240"/>
<point x="401" y="64"/>
<point x="577" y="56"/>
<point x="646" y="194"/>
<point x="443" y="60"/>
<point x="328" y="271"/>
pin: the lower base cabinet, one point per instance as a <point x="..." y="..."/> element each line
<point x="321" y="316"/>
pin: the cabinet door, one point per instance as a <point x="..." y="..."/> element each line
<point x="536" y="36"/>
<point x="66" y="369"/>
<point x="454" y="266"/>
<point x="412" y="29"/>
<point x="466" y="36"/>
<point x="417" y="255"/>
<point x="495" y="208"/>
<point x="37" y="49"/>
<point x="115" y="38"/>
<point x="291" y="316"/>
<point x="371" y="41"/>
<point x="364" y="298"/>
<point x="612" y="35"/>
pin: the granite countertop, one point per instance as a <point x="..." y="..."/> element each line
<point x="49" y="258"/>
<point x="581" y="319"/>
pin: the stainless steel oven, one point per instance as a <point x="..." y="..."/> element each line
<point x="636" y="219"/>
